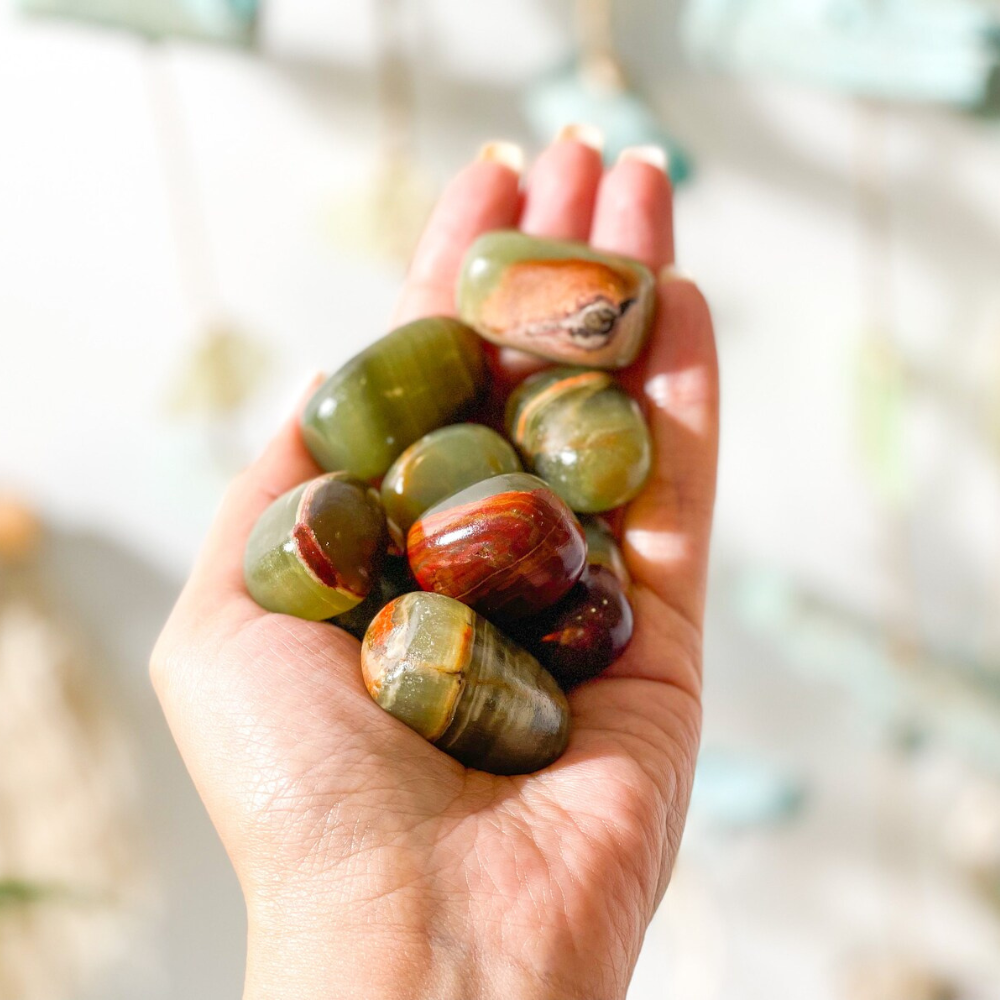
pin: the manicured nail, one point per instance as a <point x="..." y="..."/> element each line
<point x="587" y="135"/>
<point x="674" y="273"/>
<point x="655" y="156"/>
<point x="507" y="154"/>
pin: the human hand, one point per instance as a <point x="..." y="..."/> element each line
<point x="373" y="864"/>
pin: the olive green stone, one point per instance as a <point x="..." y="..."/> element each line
<point x="439" y="464"/>
<point x="316" y="550"/>
<point x="416" y="378"/>
<point x="603" y="549"/>
<point x="583" y="434"/>
<point x="450" y="675"/>
<point x="557" y="299"/>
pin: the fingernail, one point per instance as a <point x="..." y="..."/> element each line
<point x="507" y="154"/>
<point x="587" y="135"/>
<point x="674" y="273"/>
<point x="655" y="156"/>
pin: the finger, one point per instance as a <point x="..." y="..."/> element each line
<point x="562" y="188"/>
<point x="484" y="196"/>
<point x="667" y="527"/>
<point x="634" y="212"/>
<point x="283" y="465"/>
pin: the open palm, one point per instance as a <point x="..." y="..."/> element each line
<point x="372" y="863"/>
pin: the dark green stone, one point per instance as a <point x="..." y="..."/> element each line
<point x="415" y="379"/>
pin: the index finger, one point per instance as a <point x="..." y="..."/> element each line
<point x="483" y="196"/>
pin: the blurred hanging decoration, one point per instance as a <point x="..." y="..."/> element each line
<point x="68" y="872"/>
<point x="228" y="21"/>
<point x="224" y="365"/>
<point x="594" y="89"/>
<point x="938" y="51"/>
<point x="385" y="215"/>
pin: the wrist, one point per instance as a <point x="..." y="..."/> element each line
<point x="284" y="965"/>
<point x="292" y="963"/>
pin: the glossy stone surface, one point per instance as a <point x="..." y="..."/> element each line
<point x="508" y="547"/>
<point x="446" y="672"/>
<point x="583" y="434"/>
<point x="585" y="632"/>
<point x="316" y="550"/>
<point x="439" y="464"/>
<point x="603" y="549"/>
<point x="557" y="299"/>
<point x="394" y="580"/>
<point x="416" y="378"/>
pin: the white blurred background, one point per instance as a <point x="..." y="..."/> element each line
<point x="171" y="209"/>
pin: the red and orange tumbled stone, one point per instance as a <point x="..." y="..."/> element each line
<point x="508" y="547"/>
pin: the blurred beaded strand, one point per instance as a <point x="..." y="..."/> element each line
<point x="384" y="215"/>
<point x="882" y="395"/>
<point x="224" y="366"/>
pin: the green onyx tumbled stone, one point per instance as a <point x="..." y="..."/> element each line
<point x="557" y="299"/>
<point x="583" y="434"/>
<point x="603" y="549"/>
<point x="415" y="379"/>
<point x="439" y="464"/>
<point x="449" y="674"/>
<point x="316" y="550"/>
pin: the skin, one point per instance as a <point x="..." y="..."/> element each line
<point x="373" y="864"/>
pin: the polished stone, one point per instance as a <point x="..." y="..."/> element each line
<point x="415" y="379"/>
<point x="315" y="551"/>
<point x="557" y="299"/>
<point x="451" y="676"/>
<point x="439" y="464"/>
<point x="507" y="546"/>
<point x="583" y="434"/>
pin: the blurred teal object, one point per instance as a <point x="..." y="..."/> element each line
<point x="571" y="96"/>
<point x="230" y="22"/>
<point x="737" y="790"/>
<point x="938" y="51"/>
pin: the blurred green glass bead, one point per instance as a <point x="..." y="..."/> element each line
<point x="446" y="672"/>
<point x="316" y="550"/>
<point x="439" y="464"/>
<point x="557" y="299"/>
<point x="394" y="580"/>
<point x="583" y="434"/>
<point x="415" y="379"/>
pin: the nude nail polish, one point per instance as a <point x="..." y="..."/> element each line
<point x="655" y="156"/>
<point x="584" y="133"/>
<point x="507" y="154"/>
